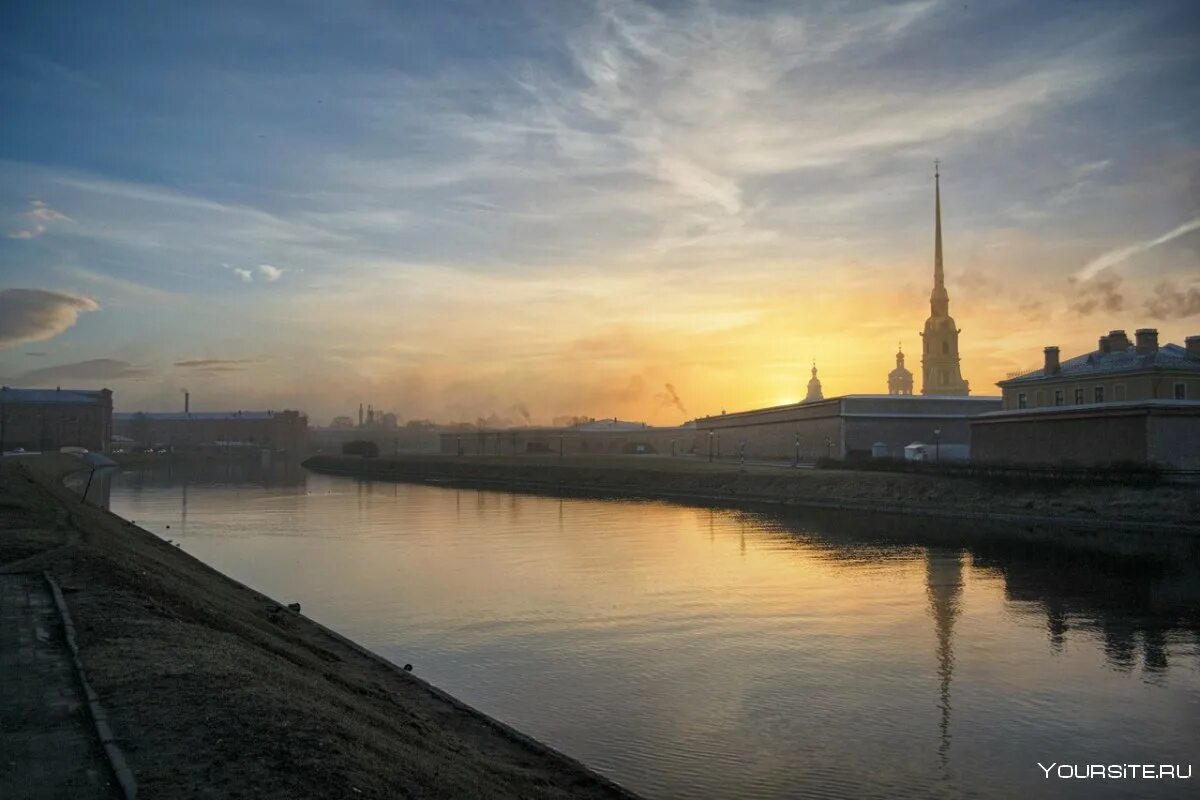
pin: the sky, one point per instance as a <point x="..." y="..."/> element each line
<point x="456" y="210"/>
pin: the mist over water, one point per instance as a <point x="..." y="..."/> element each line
<point x="697" y="652"/>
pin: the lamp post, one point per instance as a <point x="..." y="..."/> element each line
<point x="718" y="445"/>
<point x="797" y="463"/>
<point x="828" y="448"/>
<point x="460" y="450"/>
<point x="710" y="446"/>
<point x="561" y="436"/>
<point x="937" y="445"/>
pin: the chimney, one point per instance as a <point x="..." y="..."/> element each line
<point x="1051" y="367"/>
<point x="1117" y="340"/>
<point x="1193" y="347"/>
<point x="1147" y="341"/>
<point x="187" y="402"/>
<point x="1103" y="346"/>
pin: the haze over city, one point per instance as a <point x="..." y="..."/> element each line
<point x="567" y="207"/>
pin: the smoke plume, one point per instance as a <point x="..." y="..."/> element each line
<point x="1171" y="302"/>
<point x="669" y="397"/>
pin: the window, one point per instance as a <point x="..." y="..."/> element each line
<point x="1059" y="398"/>
<point x="1098" y="394"/>
<point x="1039" y="398"/>
<point x="1022" y="400"/>
<point x="1181" y="391"/>
<point x="1119" y="392"/>
<point x="1079" y="397"/>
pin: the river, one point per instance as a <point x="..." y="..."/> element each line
<point x="701" y="652"/>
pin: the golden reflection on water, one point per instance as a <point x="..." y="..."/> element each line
<point x="691" y="651"/>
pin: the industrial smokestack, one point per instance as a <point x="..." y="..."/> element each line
<point x="187" y="401"/>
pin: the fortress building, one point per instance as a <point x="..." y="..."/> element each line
<point x="940" y="373"/>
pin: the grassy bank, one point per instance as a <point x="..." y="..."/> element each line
<point x="211" y="693"/>
<point x="1165" y="507"/>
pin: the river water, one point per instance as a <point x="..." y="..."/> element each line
<point x="701" y="652"/>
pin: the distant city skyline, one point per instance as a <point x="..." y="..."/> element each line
<point x="611" y="209"/>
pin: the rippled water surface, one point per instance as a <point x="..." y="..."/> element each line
<point x="696" y="652"/>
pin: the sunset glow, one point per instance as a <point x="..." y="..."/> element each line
<point x="571" y="205"/>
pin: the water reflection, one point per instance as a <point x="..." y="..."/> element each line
<point x="707" y="652"/>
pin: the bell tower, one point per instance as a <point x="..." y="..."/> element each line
<point x="814" y="387"/>
<point x="940" y="370"/>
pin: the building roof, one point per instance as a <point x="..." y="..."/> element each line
<point x="174" y="416"/>
<point x="610" y="424"/>
<point x="46" y="396"/>
<point x="1096" y="363"/>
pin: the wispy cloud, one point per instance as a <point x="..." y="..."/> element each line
<point x="1114" y="257"/>
<point x="96" y="369"/>
<point x="38" y="219"/>
<point x="217" y="364"/>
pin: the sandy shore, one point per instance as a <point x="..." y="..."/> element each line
<point x="1167" y="507"/>
<point x="213" y="695"/>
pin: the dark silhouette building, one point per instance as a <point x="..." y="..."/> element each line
<point x="47" y="419"/>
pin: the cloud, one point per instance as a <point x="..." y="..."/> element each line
<point x="270" y="273"/>
<point x="1099" y="293"/>
<point x="246" y="275"/>
<point x="1114" y="257"/>
<point x="96" y="369"/>
<point x="31" y="315"/>
<point x="217" y="364"/>
<point x="1172" y="302"/>
<point x="38" y="218"/>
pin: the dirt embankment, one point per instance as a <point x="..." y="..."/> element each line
<point x="213" y="695"/>
<point x="1163" y="507"/>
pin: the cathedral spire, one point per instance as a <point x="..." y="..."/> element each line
<point x="939" y="299"/>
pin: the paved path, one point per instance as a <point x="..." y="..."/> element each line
<point x="48" y="748"/>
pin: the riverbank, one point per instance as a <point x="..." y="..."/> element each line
<point x="1167" y="507"/>
<point x="212" y="690"/>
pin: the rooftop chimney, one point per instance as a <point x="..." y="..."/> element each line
<point x="1104" y="345"/>
<point x="1117" y="340"/>
<point x="1051" y="367"/>
<point x="1147" y="341"/>
<point x="1193" y="346"/>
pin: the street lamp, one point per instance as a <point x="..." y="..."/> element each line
<point x="460" y="450"/>
<point x="828" y="448"/>
<point x="710" y="446"/>
<point x="561" y="436"/>
<point x="937" y="445"/>
<point x="797" y="464"/>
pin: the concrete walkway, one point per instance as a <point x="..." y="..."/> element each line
<point x="48" y="748"/>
